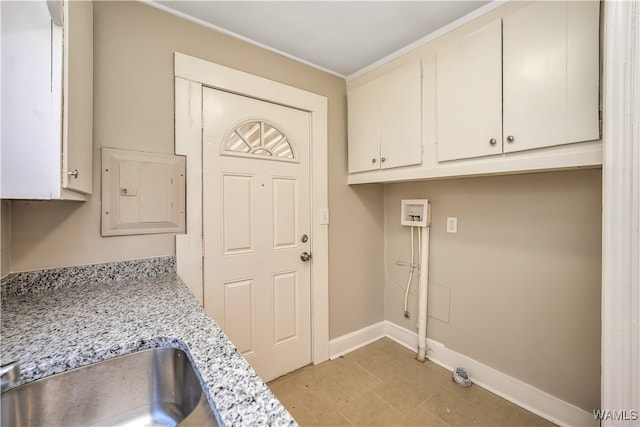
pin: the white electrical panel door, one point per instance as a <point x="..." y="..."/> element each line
<point x="400" y="94"/>
<point x="551" y="69"/>
<point x="364" y="129"/>
<point x="142" y="193"/>
<point x="469" y="95"/>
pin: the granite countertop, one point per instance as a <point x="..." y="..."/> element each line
<point x="54" y="321"/>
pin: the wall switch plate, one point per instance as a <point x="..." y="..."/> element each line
<point x="452" y="224"/>
<point x="324" y="216"/>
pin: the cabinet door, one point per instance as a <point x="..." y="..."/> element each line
<point x="551" y="69"/>
<point x="363" y="124"/>
<point x="469" y="95"/>
<point x="77" y="141"/>
<point x="31" y="94"/>
<point x="401" y="116"/>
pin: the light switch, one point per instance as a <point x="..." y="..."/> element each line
<point x="452" y="224"/>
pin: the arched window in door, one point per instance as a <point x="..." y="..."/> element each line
<point x="259" y="138"/>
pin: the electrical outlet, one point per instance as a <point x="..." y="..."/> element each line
<point x="452" y="224"/>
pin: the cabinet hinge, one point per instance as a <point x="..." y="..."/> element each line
<point x="600" y="122"/>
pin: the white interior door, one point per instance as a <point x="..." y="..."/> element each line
<point x="256" y="215"/>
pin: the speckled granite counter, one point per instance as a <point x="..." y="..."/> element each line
<point x="50" y="327"/>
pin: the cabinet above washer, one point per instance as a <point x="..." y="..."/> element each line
<point x="385" y="120"/>
<point x="526" y="81"/>
<point x="515" y="90"/>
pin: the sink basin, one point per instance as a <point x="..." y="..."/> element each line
<point x="156" y="387"/>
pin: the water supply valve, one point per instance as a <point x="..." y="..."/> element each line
<point x="415" y="213"/>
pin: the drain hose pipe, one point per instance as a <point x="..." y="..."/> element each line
<point x="423" y="293"/>
<point x="408" y="287"/>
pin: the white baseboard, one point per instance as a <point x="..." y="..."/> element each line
<point x="509" y="388"/>
<point x="354" y="340"/>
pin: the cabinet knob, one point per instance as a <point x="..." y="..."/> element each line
<point x="373" y="160"/>
<point x="492" y="141"/>
<point x="383" y="159"/>
<point x="74" y="174"/>
<point x="510" y="139"/>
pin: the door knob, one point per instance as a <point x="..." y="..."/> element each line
<point x="305" y="256"/>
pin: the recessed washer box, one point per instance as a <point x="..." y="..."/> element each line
<point x="142" y="193"/>
<point x="415" y="213"/>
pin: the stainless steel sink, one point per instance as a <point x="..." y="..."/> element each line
<point x="156" y="387"/>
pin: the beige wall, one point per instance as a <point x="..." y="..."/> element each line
<point x="523" y="273"/>
<point x="133" y="109"/>
<point x="5" y="238"/>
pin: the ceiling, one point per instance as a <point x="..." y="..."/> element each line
<point x="341" y="37"/>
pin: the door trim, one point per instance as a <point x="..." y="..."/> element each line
<point x="620" y="387"/>
<point x="191" y="74"/>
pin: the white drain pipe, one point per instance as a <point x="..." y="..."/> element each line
<point x="423" y="293"/>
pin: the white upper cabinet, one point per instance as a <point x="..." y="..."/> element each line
<point x="364" y="127"/>
<point x="47" y="99"/>
<point x="541" y="61"/>
<point x="385" y="120"/>
<point x="401" y="116"/>
<point x="469" y="95"/>
<point x="551" y="74"/>
<point x="77" y="132"/>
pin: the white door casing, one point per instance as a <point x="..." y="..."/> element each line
<point x="255" y="212"/>
<point x="191" y="74"/>
<point x="620" y="387"/>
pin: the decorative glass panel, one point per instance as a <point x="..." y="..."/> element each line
<point x="258" y="138"/>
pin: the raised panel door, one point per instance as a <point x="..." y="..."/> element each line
<point x="256" y="209"/>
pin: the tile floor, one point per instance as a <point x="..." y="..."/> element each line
<point x="383" y="385"/>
